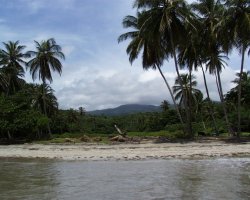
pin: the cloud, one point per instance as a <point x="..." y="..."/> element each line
<point x="100" y="90"/>
<point x="108" y="90"/>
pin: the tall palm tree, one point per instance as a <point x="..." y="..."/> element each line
<point x="188" y="56"/>
<point x="215" y="64"/>
<point x="191" y="55"/>
<point x="11" y="63"/>
<point x="46" y="58"/>
<point x="153" y="52"/>
<point x="213" y="33"/>
<point x="238" y="24"/>
<point x="168" y="19"/>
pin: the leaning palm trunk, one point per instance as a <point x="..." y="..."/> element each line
<point x="190" y="104"/>
<point x="45" y="110"/>
<point x="230" y="131"/>
<point x="188" y="117"/>
<point x="210" y="107"/>
<point x="172" y="96"/>
<point x="239" y="91"/>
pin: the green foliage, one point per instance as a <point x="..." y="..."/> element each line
<point x="18" y="118"/>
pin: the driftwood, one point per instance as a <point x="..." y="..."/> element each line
<point x="118" y="138"/>
<point x="85" y="138"/>
<point x="122" y="137"/>
<point x="124" y="134"/>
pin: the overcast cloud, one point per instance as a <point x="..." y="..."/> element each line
<point x="96" y="72"/>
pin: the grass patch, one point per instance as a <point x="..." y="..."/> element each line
<point x="163" y="133"/>
<point x="148" y="134"/>
<point x="245" y="134"/>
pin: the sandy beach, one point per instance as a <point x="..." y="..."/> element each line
<point x="126" y="151"/>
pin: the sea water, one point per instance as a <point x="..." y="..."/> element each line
<point x="37" y="179"/>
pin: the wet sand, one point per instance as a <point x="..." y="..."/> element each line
<point x="126" y="151"/>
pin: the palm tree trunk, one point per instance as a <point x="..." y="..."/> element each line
<point x="190" y="94"/>
<point x="45" y="110"/>
<point x="218" y="87"/>
<point x="188" y="119"/>
<point x="172" y="96"/>
<point x="210" y="108"/>
<point x="230" y="131"/>
<point x="239" y="90"/>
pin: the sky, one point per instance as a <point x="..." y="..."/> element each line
<point x="96" y="73"/>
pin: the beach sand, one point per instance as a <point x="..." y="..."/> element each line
<point x="150" y="150"/>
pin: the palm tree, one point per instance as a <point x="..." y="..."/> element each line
<point x="167" y="19"/>
<point x="165" y="105"/>
<point x="215" y="63"/>
<point x="238" y="23"/>
<point x="213" y="38"/>
<point x="191" y="55"/>
<point x="46" y="58"/>
<point x="143" y="40"/>
<point x="11" y="61"/>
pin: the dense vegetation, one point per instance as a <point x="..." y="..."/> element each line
<point x="196" y="36"/>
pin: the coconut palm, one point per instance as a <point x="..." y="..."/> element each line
<point x="46" y="58"/>
<point x="153" y="52"/>
<point x="215" y="64"/>
<point x="168" y="19"/>
<point x="192" y="55"/>
<point x="210" y="13"/>
<point x="11" y="63"/>
<point x="238" y="24"/>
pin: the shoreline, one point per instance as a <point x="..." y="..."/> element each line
<point x="144" y="151"/>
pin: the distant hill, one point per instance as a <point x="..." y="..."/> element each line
<point x="126" y="109"/>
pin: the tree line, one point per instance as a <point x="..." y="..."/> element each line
<point x="200" y="35"/>
<point x="196" y="36"/>
<point x="26" y="108"/>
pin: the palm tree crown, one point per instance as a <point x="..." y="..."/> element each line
<point x="45" y="58"/>
<point x="11" y="61"/>
<point x="186" y="80"/>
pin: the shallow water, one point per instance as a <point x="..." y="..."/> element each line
<point x="151" y="179"/>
